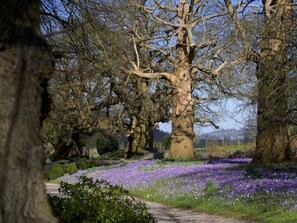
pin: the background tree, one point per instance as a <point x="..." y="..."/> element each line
<point x="84" y="40"/>
<point x="270" y="56"/>
<point x="180" y="41"/>
<point x="25" y="62"/>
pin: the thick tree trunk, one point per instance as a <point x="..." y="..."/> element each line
<point x="24" y="60"/>
<point x="142" y="137"/>
<point x="182" y="135"/>
<point x="272" y="143"/>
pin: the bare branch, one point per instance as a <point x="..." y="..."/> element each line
<point x="166" y="54"/>
<point x="213" y="72"/>
<point x="136" y="51"/>
<point x="205" y="18"/>
<point x="248" y="53"/>
<point x="167" y="7"/>
<point x="205" y="120"/>
<point x="159" y="20"/>
<point x="198" y="101"/>
<point x="154" y="75"/>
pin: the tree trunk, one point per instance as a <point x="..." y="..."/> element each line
<point x="182" y="105"/>
<point x="272" y="143"/>
<point x="142" y="137"/>
<point x="182" y="118"/>
<point x="24" y="60"/>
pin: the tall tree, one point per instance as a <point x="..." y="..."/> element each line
<point x="272" y="143"/>
<point x="132" y="105"/>
<point x="25" y="61"/>
<point x="272" y="71"/>
<point x="180" y="40"/>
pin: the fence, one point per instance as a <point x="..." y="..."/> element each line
<point x="204" y="143"/>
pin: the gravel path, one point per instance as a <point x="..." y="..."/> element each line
<point x="165" y="214"/>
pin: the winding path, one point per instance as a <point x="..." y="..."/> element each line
<point x="165" y="214"/>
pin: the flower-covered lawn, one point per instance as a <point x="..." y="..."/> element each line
<point x="226" y="183"/>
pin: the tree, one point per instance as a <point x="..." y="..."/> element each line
<point x="88" y="74"/>
<point x="176" y="42"/>
<point x="270" y="55"/>
<point x="272" y="143"/>
<point x="25" y="61"/>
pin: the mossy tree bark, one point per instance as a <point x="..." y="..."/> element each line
<point x="24" y="61"/>
<point x="272" y="142"/>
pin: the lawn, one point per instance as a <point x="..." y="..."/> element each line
<point x="233" y="187"/>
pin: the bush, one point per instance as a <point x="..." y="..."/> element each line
<point x="71" y="168"/>
<point x="107" y="142"/>
<point x="83" y="164"/>
<point x="97" y="201"/>
<point x="57" y="170"/>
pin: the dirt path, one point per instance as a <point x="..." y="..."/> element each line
<point x="165" y="214"/>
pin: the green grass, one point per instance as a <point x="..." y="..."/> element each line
<point x="230" y="148"/>
<point x="254" y="209"/>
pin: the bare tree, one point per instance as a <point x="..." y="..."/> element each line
<point x="177" y="40"/>
<point x="88" y="80"/>
<point x="25" y="62"/>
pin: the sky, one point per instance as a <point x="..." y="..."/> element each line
<point x="232" y="119"/>
<point x="228" y="124"/>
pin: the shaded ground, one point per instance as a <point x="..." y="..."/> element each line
<point x="165" y="214"/>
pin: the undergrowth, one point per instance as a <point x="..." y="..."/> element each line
<point x="91" y="201"/>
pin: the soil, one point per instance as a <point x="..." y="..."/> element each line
<point x="166" y="214"/>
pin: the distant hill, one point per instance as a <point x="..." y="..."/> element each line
<point x="230" y="134"/>
<point x="159" y="134"/>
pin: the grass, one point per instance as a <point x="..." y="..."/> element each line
<point x="226" y="150"/>
<point x="254" y="209"/>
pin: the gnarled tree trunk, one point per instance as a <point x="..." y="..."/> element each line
<point x="182" y="116"/>
<point x="182" y="105"/>
<point x="272" y="143"/>
<point x="24" y="60"/>
<point x="141" y="138"/>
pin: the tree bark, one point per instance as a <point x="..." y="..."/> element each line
<point x="182" y="135"/>
<point x="141" y="138"/>
<point x="24" y="62"/>
<point x="272" y="143"/>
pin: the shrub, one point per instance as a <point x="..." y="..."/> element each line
<point x="57" y="170"/>
<point x="83" y="164"/>
<point x="218" y="152"/>
<point x="70" y="168"/>
<point x="97" y="201"/>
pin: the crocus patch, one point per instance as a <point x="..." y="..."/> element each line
<point x="227" y="181"/>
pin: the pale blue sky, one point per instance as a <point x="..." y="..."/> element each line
<point x="231" y="119"/>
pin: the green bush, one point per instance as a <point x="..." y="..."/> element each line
<point x="107" y="142"/>
<point x="57" y="170"/>
<point x="166" y="140"/>
<point x="97" y="201"/>
<point x="83" y="164"/>
<point x="71" y="168"/>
